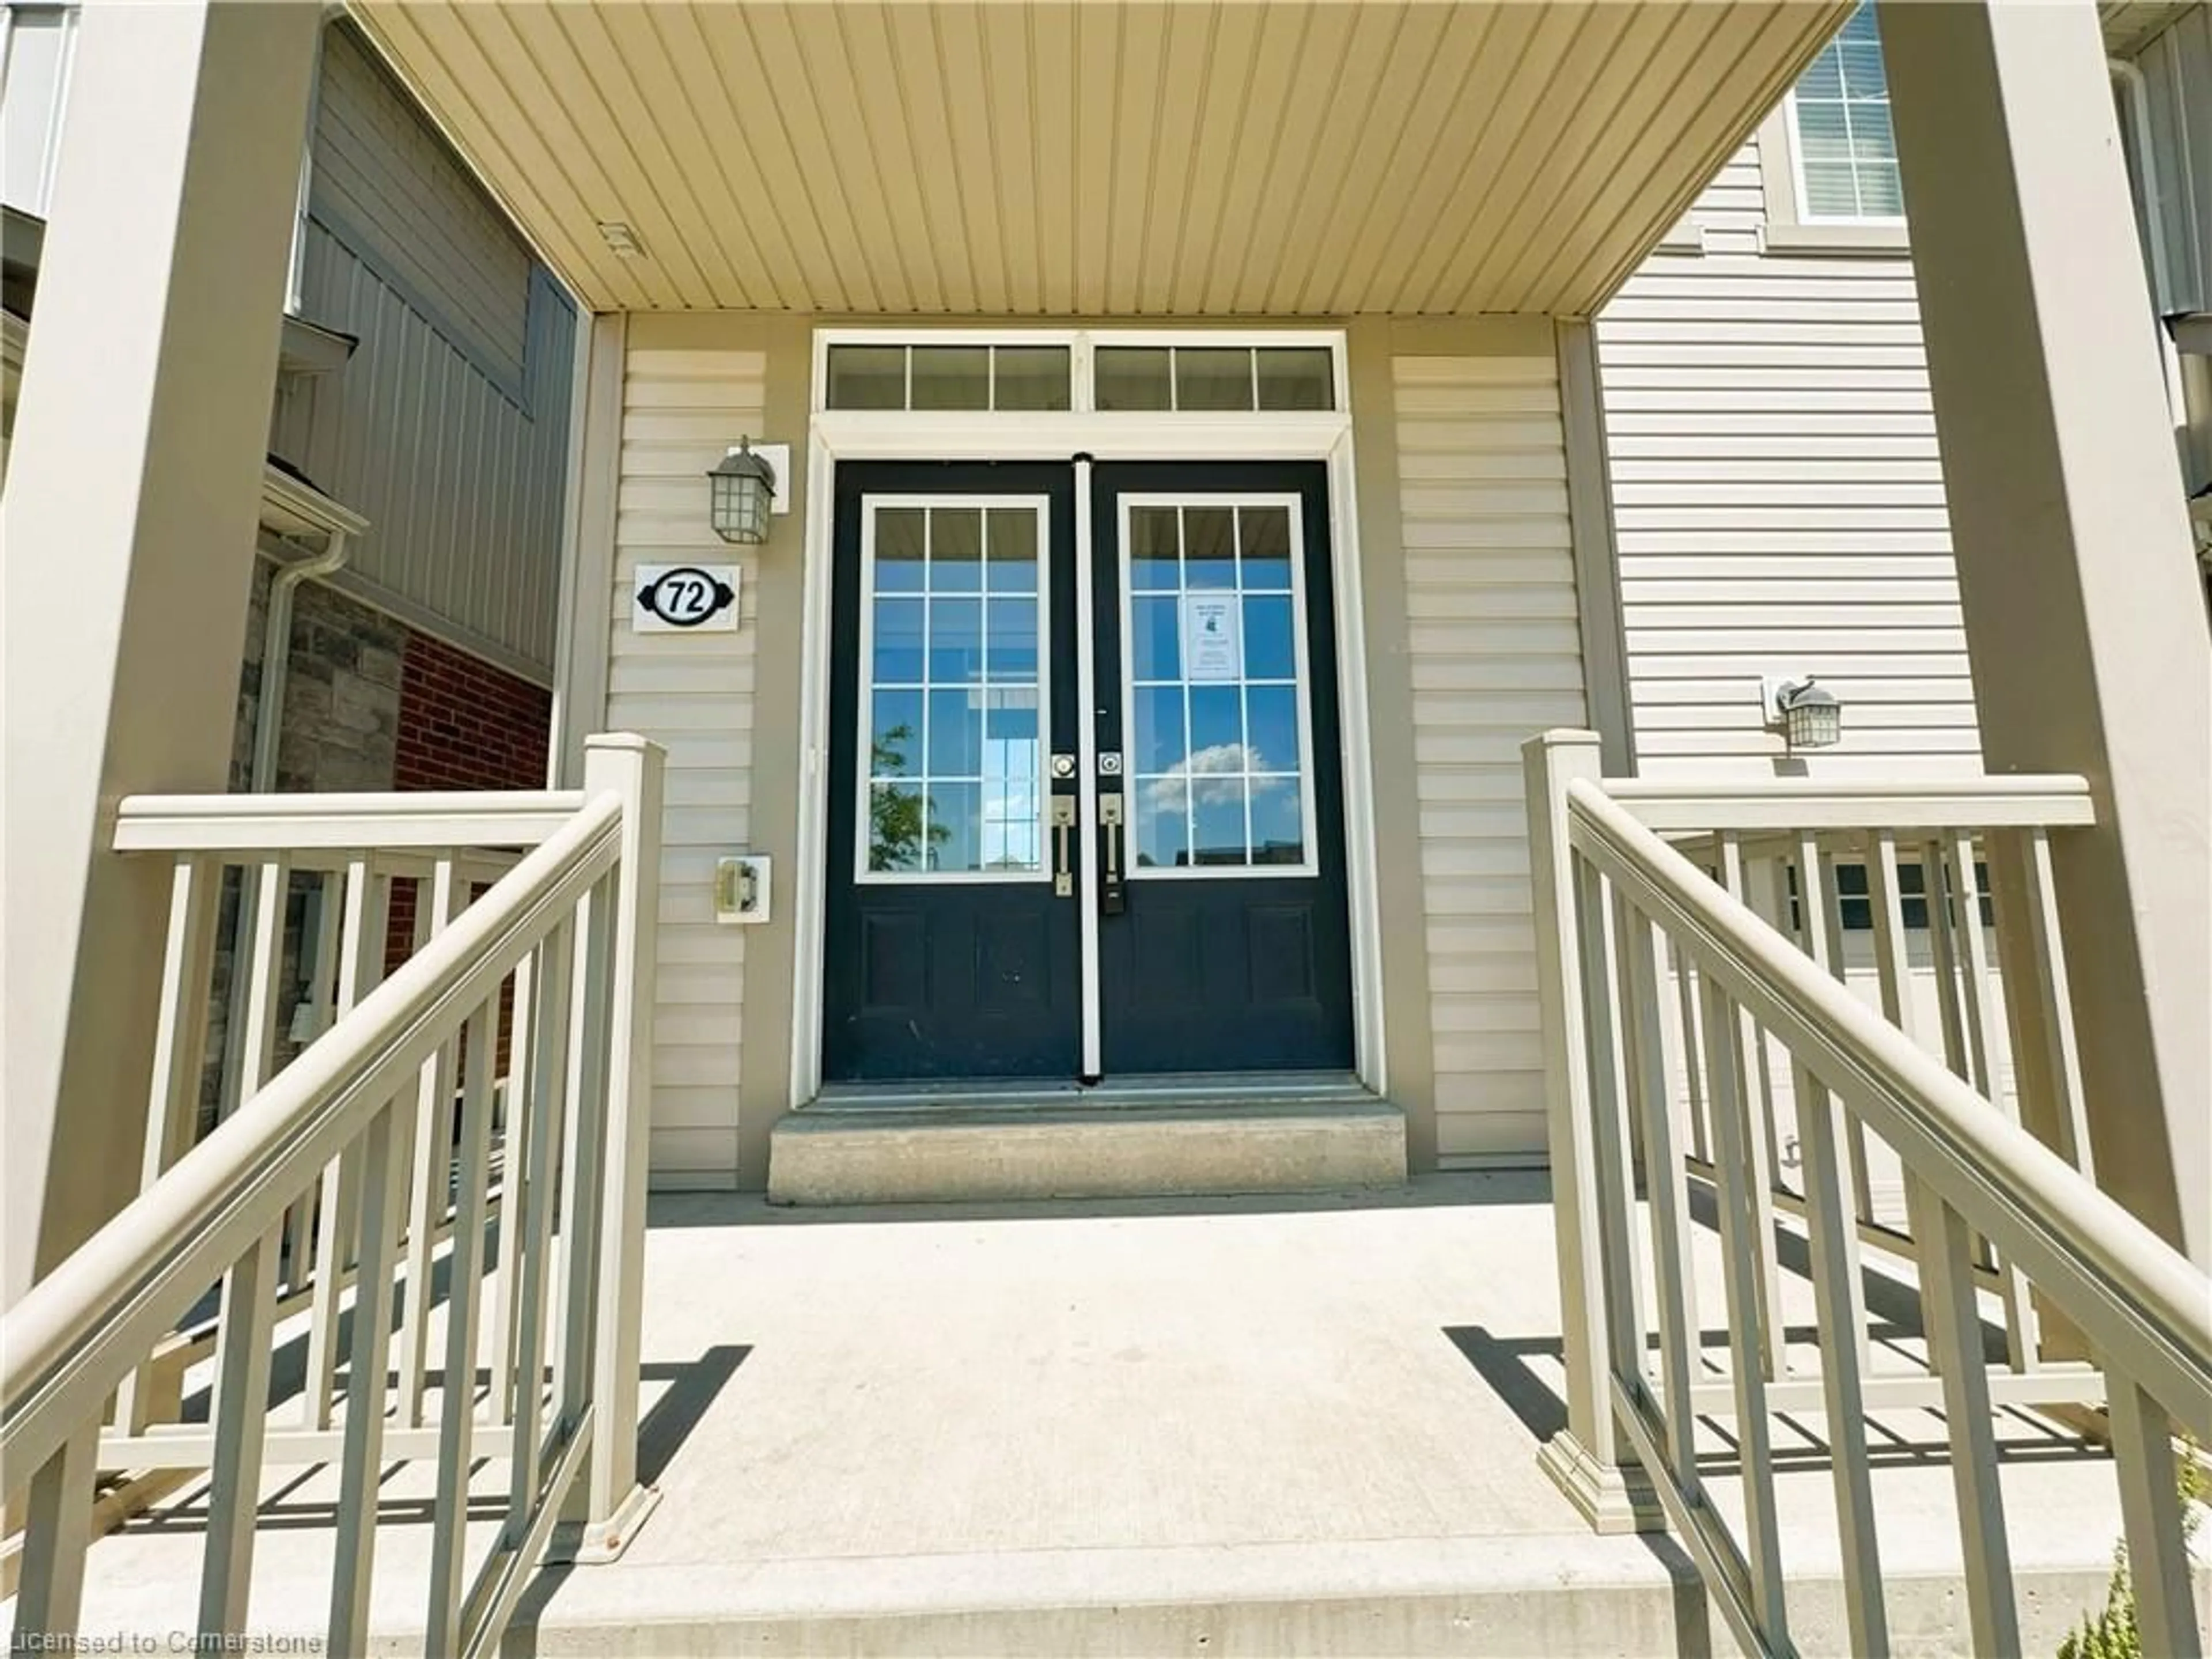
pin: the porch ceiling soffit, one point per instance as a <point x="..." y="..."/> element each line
<point x="1117" y="157"/>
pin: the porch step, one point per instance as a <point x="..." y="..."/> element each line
<point x="1567" y="1596"/>
<point x="1004" y="1146"/>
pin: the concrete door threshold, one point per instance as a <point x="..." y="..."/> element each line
<point x="1216" y="1136"/>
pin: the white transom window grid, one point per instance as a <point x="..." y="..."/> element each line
<point x="1027" y="374"/>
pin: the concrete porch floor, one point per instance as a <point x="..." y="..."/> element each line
<point x="1235" y="1426"/>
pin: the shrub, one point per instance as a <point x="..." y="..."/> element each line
<point x="2112" y="1633"/>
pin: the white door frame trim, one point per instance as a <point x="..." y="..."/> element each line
<point x="858" y="435"/>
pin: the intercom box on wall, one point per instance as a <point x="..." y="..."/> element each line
<point x="741" y="887"/>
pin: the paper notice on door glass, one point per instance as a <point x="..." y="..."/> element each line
<point x="1212" y="642"/>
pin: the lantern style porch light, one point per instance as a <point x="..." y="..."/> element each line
<point x="1812" y="716"/>
<point x="743" y="485"/>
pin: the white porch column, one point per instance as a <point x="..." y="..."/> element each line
<point x="130" y="524"/>
<point x="2083" y="620"/>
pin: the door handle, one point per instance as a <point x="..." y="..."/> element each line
<point x="1112" y="900"/>
<point x="1063" y="834"/>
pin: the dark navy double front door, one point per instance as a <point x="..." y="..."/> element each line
<point x="1086" y="809"/>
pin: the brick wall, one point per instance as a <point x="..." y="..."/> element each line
<point x="463" y="725"/>
<point x="466" y="725"/>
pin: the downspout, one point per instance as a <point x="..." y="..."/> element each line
<point x="276" y="655"/>
<point x="2137" y="96"/>
<point x="261" y="779"/>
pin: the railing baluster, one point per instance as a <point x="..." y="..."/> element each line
<point x="430" y="1175"/>
<point x="1983" y="1028"/>
<point x="514" y="1153"/>
<point x="57" y="1530"/>
<point x="1955" y="1336"/>
<point x="300" y="1231"/>
<point x="2150" y="1507"/>
<point x="383" y="1189"/>
<point x="1943" y="949"/>
<point x="179" y="1051"/>
<point x="585" y="1138"/>
<point x="1673" y="1269"/>
<point x="241" y="1420"/>
<point x="1745" y="1252"/>
<point x="1819" y="1121"/>
<point x="265" y="975"/>
<point x="1699" y="1138"/>
<point x="180" y="1036"/>
<point x="1753" y="1099"/>
<point x="1893" y="968"/>
<point x="1688" y="1046"/>
<point x="1623" y="1309"/>
<point x="549" y="1073"/>
<point x="361" y="967"/>
<point x="457" y="1403"/>
<point x="1982" y="1054"/>
<point x="2053" y="998"/>
<point x="1832" y="923"/>
<point x="1839" y="1298"/>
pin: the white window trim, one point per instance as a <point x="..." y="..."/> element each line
<point x="1789" y="228"/>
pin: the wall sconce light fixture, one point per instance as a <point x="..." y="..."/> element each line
<point x="1808" y="714"/>
<point x="744" y="489"/>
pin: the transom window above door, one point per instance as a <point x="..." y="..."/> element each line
<point x="1028" y="372"/>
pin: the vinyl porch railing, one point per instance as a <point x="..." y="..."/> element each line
<point x="387" y="1154"/>
<point x="1687" y="1032"/>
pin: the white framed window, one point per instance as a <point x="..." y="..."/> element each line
<point x="1845" y="151"/>
<point x="949" y="375"/>
<point x="1827" y="155"/>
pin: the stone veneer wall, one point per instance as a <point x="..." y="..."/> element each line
<point x="370" y="705"/>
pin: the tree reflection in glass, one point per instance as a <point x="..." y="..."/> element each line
<point x="899" y="825"/>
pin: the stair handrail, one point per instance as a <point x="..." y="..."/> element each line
<point x="75" y="1334"/>
<point x="1666" y="994"/>
<point x="388" y="1118"/>
<point x="2135" y="1297"/>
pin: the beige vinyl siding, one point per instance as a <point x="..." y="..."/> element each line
<point x="447" y="427"/>
<point x="1494" y="655"/>
<point x="1779" y="501"/>
<point x="461" y="484"/>
<point x="384" y="181"/>
<point x="693" y="694"/>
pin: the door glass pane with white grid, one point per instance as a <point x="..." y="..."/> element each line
<point x="1217" y="712"/>
<point x="952" y="610"/>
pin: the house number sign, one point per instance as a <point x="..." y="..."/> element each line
<point x="685" y="599"/>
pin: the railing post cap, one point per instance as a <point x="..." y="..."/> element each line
<point x="627" y="740"/>
<point x="1562" y="738"/>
